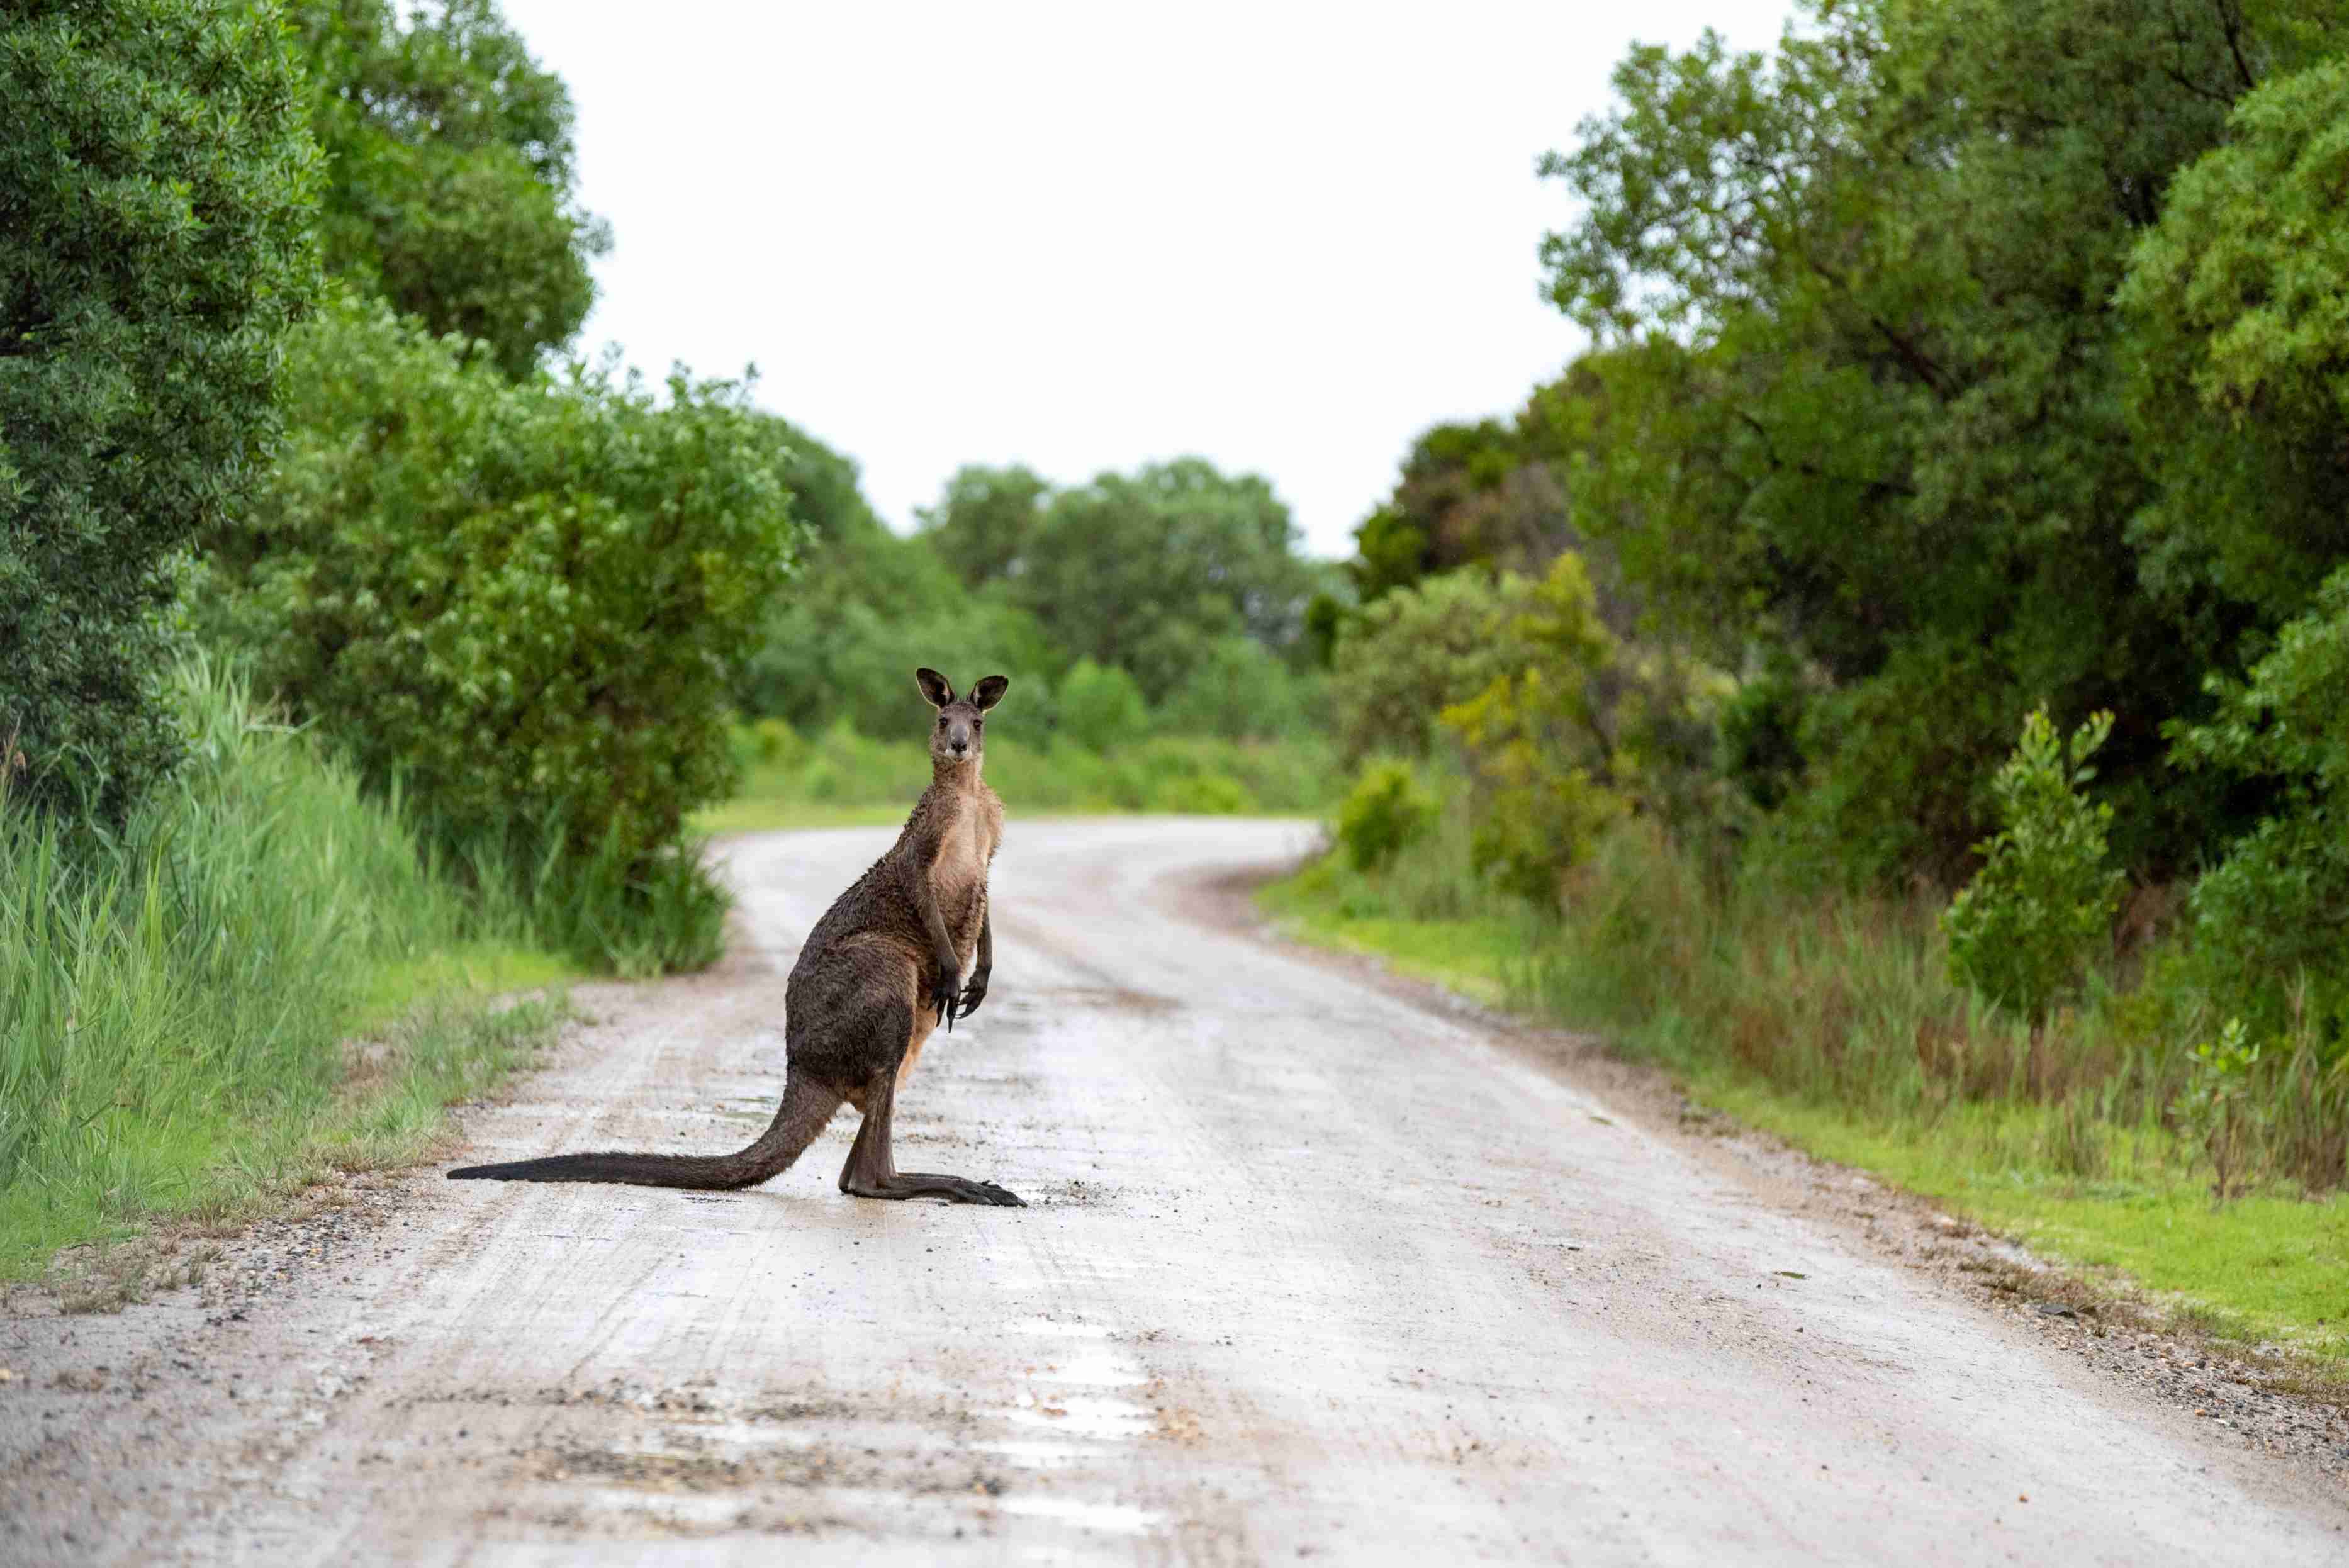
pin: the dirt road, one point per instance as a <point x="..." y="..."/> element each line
<point x="1311" y="1273"/>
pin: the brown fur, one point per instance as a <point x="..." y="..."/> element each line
<point x="884" y="966"/>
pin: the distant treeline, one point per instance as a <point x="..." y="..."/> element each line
<point x="1172" y="599"/>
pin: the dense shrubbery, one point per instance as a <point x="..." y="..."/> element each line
<point x="2268" y="919"/>
<point x="1102" y="708"/>
<point x="157" y="190"/>
<point x="1955" y="364"/>
<point x="1384" y="813"/>
<point x="520" y="602"/>
<point x="174" y="1001"/>
<point x="841" y="643"/>
<point x="1559" y="725"/>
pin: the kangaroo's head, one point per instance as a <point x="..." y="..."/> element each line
<point x="960" y="736"/>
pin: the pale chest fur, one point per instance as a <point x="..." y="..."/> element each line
<point x="967" y="844"/>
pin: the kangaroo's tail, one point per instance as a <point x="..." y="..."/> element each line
<point x="807" y="1107"/>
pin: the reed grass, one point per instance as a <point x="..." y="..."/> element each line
<point x="182" y="1000"/>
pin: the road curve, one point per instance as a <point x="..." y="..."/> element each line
<point x="1311" y="1273"/>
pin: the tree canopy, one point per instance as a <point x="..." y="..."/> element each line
<point x="1871" y="394"/>
<point x="157" y="190"/>
<point x="452" y="183"/>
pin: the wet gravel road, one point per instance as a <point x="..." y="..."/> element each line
<point x="1311" y="1273"/>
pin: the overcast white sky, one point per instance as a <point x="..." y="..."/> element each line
<point x="1285" y="237"/>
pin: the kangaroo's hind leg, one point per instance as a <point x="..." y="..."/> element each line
<point x="872" y="1171"/>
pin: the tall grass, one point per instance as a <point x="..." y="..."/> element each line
<point x="175" y="997"/>
<point x="1846" y="1001"/>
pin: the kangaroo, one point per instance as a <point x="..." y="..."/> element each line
<point x="881" y="970"/>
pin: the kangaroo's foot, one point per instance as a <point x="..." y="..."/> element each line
<point x="871" y="1172"/>
<point x="922" y="1184"/>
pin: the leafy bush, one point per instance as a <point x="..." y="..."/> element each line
<point x="2218" y="1109"/>
<point x="1239" y="691"/>
<point x="1535" y="740"/>
<point x="1416" y="652"/>
<point x="1102" y="708"/>
<point x="1203" y="795"/>
<point x="157" y="189"/>
<point x="769" y="741"/>
<point x="2239" y="301"/>
<point x="522" y="602"/>
<point x="1384" y="813"/>
<point x="2272" y="911"/>
<point x="2025" y="927"/>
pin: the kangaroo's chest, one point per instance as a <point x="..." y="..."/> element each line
<point x="966" y="849"/>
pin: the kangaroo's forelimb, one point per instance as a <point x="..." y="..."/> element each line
<point x="946" y="966"/>
<point x="808" y="1108"/>
<point x="982" y="967"/>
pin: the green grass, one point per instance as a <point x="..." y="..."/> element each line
<point x="840" y="779"/>
<point x="2274" y="1264"/>
<point x="479" y="968"/>
<point x="768" y="804"/>
<point x="1470" y="955"/>
<point x="262" y="977"/>
<point x="1831" y="1024"/>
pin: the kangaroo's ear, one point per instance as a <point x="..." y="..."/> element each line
<point x="989" y="692"/>
<point x="934" y="686"/>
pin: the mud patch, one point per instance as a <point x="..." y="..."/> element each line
<point x="1074" y="1194"/>
<point x="814" y="1465"/>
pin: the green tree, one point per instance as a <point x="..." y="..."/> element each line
<point x="1240" y="692"/>
<point x="1148" y="571"/>
<point x="157" y="189"/>
<point x="841" y="643"/>
<point x="1102" y="708"/>
<point x="1495" y="495"/>
<point x="2270" y="914"/>
<point x="452" y="171"/>
<point x="1416" y="652"/>
<point x="523" y="602"/>
<point x="984" y="524"/>
<point x="1867" y="406"/>
<point x="2239" y="302"/>
<point x="1488" y="494"/>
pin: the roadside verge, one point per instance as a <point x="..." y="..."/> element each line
<point x="2020" y="1245"/>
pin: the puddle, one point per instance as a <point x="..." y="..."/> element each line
<point x="1091" y="1366"/>
<point x="1035" y="1453"/>
<point x="1061" y="999"/>
<point x="1085" y="1416"/>
<point x="1068" y="1426"/>
<point x="1114" y="1516"/>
